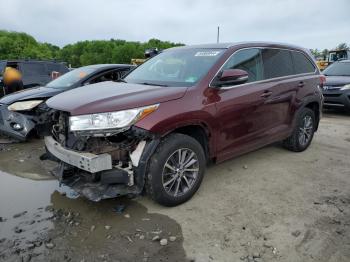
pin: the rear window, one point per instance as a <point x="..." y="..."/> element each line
<point x="277" y="63"/>
<point x="32" y="69"/>
<point x="302" y="64"/>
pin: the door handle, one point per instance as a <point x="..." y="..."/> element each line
<point x="266" y="94"/>
<point x="301" y="84"/>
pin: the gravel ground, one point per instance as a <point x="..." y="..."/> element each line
<point x="268" y="205"/>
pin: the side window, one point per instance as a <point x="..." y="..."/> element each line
<point x="248" y="60"/>
<point x="114" y="75"/>
<point x="121" y="74"/>
<point x="53" y="67"/>
<point x="33" y="69"/>
<point x="2" y="67"/>
<point x="63" y="69"/>
<point x="302" y="64"/>
<point x="277" y="63"/>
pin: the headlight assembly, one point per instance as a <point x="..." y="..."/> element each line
<point x="110" y="120"/>
<point x="24" y="105"/>
<point x="346" y="87"/>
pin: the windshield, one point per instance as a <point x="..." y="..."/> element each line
<point x="338" y="69"/>
<point x="68" y="79"/>
<point x="178" y="67"/>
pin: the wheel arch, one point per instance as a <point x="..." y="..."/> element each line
<point x="312" y="104"/>
<point x="315" y="107"/>
<point x="200" y="132"/>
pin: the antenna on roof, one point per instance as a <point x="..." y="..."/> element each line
<point x="218" y="35"/>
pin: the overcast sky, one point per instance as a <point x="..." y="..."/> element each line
<point x="309" y="23"/>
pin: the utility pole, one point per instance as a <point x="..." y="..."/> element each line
<point x="218" y="35"/>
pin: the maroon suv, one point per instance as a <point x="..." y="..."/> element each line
<point x="183" y="108"/>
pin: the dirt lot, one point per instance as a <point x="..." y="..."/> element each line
<point x="269" y="205"/>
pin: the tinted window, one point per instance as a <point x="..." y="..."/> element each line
<point x="53" y="67"/>
<point x="114" y="75"/>
<point x="302" y="64"/>
<point x="2" y="67"/>
<point x="32" y="69"/>
<point x="248" y="60"/>
<point x="277" y="63"/>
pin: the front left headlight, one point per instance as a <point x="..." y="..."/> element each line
<point x="24" y="105"/>
<point x="110" y="120"/>
<point x="346" y="87"/>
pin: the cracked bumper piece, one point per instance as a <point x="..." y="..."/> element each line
<point x="15" y="124"/>
<point x="104" y="173"/>
<point x="86" y="161"/>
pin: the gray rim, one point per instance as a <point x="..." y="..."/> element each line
<point x="306" y="130"/>
<point x="180" y="172"/>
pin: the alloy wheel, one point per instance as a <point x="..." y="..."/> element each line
<point x="180" y="172"/>
<point x="306" y="130"/>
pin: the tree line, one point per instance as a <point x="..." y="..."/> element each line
<point x="324" y="53"/>
<point x="15" y="45"/>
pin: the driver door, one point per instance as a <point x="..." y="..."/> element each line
<point x="241" y="110"/>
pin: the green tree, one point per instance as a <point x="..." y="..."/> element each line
<point x="342" y="46"/>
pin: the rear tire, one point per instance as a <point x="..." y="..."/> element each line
<point x="176" y="170"/>
<point x="303" y="132"/>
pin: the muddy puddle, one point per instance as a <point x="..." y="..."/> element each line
<point x="38" y="222"/>
<point x="22" y="159"/>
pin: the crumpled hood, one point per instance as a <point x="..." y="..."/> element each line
<point x="110" y="96"/>
<point x="337" y="80"/>
<point x="30" y="93"/>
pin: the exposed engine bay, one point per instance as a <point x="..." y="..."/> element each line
<point x="99" y="165"/>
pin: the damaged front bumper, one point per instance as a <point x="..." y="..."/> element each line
<point x="86" y="161"/>
<point x="107" y="174"/>
<point x="15" y="124"/>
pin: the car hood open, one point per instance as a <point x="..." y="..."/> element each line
<point x="337" y="80"/>
<point x="111" y="96"/>
<point x="29" y="94"/>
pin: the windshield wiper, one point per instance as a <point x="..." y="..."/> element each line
<point x="121" y="80"/>
<point x="152" y="84"/>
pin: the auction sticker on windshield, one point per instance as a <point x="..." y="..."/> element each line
<point x="207" y="53"/>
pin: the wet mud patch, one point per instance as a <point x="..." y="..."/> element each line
<point x="41" y="224"/>
<point x="328" y="238"/>
<point x="23" y="159"/>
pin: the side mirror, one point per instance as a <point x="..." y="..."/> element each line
<point x="232" y="77"/>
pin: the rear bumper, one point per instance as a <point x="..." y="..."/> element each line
<point x="86" y="161"/>
<point x="8" y="120"/>
<point x="337" y="99"/>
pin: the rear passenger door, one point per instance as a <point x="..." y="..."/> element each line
<point x="306" y="77"/>
<point x="280" y="89"/>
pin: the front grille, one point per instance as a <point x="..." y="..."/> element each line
<point x="331" y="95"/>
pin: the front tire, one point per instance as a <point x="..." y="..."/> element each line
<point x="175" y="170"/>
<point x="303" y="132"/>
